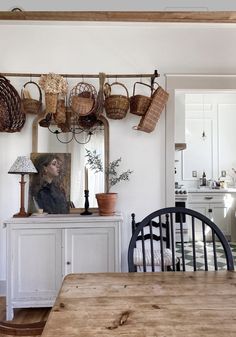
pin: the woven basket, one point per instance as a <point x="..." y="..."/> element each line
<point x="140" y="103"/>
<point x="51" y="103"/>
<point x="87" y="122"/>
<point x="60" y="115"/>
<point x="12" y="116"/>
<point x="83" y="99"/>
<point x="30" y="105"/>
<point x="149" y="120"/>
<point x="116" y="106"/>
<point x="5" y="122"/>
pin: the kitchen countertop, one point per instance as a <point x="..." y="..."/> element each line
<point x="212" y="190"/>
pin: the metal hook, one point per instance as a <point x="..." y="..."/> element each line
<point x="153" y="77"/>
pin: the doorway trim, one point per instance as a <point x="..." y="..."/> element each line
<point x="185" y="82"/>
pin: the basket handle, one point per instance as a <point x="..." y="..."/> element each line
<point x="118" y="83"/>
<point x="157" y="84"/>
<point x="107" y="89"/>
<point x="4" y="78"/>
<point x="40" y="92"/>
<point x="147" y="85"/>
<point x="90" y="87"/>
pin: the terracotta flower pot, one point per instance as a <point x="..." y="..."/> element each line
<point x="106" y="203"/>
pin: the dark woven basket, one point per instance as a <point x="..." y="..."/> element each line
<point x="87" y="122"/>
<point x="31" y="105"/>
<point x="12" y="116"/>
<point x="116" y="106"/>
<point x="140" y="103"/>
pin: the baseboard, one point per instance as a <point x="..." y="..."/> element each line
<point x="2" y="288"/>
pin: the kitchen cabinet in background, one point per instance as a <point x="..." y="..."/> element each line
<point x="219" y="207"/>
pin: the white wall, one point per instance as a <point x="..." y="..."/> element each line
<point x="111" y="48"/>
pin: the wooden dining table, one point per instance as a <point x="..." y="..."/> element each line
<point x="162" y="304"/>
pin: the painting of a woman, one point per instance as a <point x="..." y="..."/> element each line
<point x="49" y="189"/>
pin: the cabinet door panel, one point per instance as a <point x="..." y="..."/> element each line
<point x="90" y="250"/>
<point x="222" y="218"/>
<point x="203" y="209"/>
<point x="36" y="262"/>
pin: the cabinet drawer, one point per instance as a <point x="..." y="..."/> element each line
<point x="208" y="197"/>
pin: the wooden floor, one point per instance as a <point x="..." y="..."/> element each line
<point x="24" y="315"/>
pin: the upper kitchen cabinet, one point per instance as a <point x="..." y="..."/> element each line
<point x="210" y="121"/>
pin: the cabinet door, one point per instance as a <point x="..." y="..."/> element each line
<point x="219" y="213"/>
<point x="222" y="218"/>
<point x="90" y="250"/>
<point x="36" y="264"/>
<point x="203" y="209"/>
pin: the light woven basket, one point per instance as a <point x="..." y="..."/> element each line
<point x="51" y="102"/>
<point x="116" y="106"/>
<point x="149" y="120"/>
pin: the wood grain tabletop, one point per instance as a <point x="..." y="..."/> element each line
<point x="164" y="304"/>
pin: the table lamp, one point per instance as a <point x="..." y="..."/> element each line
<point x="22" y="165"/>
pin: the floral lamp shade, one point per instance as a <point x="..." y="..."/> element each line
<point x="22" y="165"/>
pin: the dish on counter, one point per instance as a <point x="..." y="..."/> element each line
<point x="39" y="214"/>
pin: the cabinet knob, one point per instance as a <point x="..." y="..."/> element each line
<point x="68" y="262"/>
<point x="210" y="210"/>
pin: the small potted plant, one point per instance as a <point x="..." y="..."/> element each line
<point x="107" y="201"/>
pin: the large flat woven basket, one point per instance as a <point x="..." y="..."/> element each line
<point x="12" y="116"/>
<point x="149" y="120"/>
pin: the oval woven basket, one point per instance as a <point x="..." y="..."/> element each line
<point x="31" y="105"/>
<point x="12" y="116"/>
<point x="140" y="103"/>
<point x="83" y="98"/>
<point x="116" y="106"/>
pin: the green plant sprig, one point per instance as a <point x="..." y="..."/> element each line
<point x="95" y="163"/>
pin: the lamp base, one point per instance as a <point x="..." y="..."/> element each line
<point x="21" y="215"/>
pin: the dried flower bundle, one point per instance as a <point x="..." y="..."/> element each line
<point x="53" y="84"/>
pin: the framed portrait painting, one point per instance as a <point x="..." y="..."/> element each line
<point x="49" y="189"/>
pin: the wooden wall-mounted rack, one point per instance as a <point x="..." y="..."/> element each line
<point x="154" y="75"/>
<point x="122" y="16"/>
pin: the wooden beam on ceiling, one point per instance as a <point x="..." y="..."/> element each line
<point x="115" y="16"/>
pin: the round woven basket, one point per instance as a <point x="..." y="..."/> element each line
<point x="140" y="103"/>
<point x="116" y="106"/>
<point x="83" y="99"/>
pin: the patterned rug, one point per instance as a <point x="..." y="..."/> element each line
<point x="200" y="255"/>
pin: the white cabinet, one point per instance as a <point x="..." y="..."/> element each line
<point x="42" y="250"/>
<point x="216" y="206"/>
<point x="36" y="264"/>
<point x="90" y="250"/>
